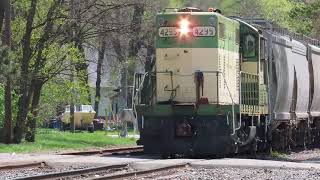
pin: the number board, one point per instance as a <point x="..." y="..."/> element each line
<point x="168" y="31"/>
<point x="204" y="31"/>
<point x="200" y="31"/>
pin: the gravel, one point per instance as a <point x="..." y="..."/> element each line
<point x="97" y="174"/>
<point x="305" y="155"/>
<point x="185" y="174"/>
<point x="235" y="174"/>
<point x="25" y="172"/>
<point x="312" y="156"/>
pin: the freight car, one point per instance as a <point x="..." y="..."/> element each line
<point x="224" y="85"/>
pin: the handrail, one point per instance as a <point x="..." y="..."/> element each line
<point x="140" y="86"/>
<point x="134" y="95"/>
<point x="240" y="100"/>
<point x="240" y="97"/>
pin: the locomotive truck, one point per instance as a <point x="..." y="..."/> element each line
<point x="224" y="85"/>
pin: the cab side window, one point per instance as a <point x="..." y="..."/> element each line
<point x="221" y="30"/>
<point x="249" y="46"/>
<point x="263" y="49"/>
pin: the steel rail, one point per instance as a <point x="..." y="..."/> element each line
<point x="140" y="173"/>
<point x="20" y="166"/>
<point x="73" y="172"/>
<point x="107" y="151"/>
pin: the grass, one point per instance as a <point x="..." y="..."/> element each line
<point x="48" y="140"/>
<point x="277" y="154"/>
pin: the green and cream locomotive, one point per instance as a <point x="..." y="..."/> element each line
<point x="216" y="87"/>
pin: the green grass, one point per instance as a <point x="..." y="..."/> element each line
<point x="52" y="140"/>
<point x="276" y="154"/>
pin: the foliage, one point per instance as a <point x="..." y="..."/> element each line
<point x="277" y="11"/>
<point x="57" y="92"/>
<point x="53" y="140"/>
<point x="176" y="3"/>
<point x="7" y="66"/>
<point x="204" y="4"/>
<point x="305" y="18"/>
<point x="277" y="154"/>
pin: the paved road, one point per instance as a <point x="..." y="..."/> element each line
<point x="226" y="168"/>
<point x="144" y="162"/>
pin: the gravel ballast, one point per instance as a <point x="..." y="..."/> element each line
<point x="235" y="174"/>
<point x="26" y="172"/>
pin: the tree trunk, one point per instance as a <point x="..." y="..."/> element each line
<point x="24" y="100"/>
<point x="148" y="68"/>
<point x="73" y="9"/>
<point x="118" y="49"/>
<point x="135" y="43"/>
<point x="81" y="67"/>
<point x="36" y="84"/>
<point x="2" y="11"/>
<point x="150" y="62"/>
<point x="102" y="51"/>
<point x="72" y="122"/>
<point x="8" y="112"/>
<point x="30" y="136"/>
<point x="7" y="89"/>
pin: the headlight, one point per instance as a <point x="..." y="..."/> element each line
<point x="184" y="27"/>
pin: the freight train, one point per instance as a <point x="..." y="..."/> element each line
<point x="224" y="85"/>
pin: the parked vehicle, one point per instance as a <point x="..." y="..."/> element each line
<point x="83" y="118"/>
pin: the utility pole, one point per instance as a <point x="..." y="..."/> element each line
<point x="7" y="96"/>
<point x="124" y="97"/>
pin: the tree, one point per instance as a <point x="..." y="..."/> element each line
<point x="40" y="61"/>
<point x="102" y="51"/>
<point x="24" y="74"/>
<point x="2" y="11"/>
<point x="6" y="38"/>
<point x="304" y="18"/>
<point x="45" y="37"/>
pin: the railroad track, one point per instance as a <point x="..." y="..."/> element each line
<point x="110" y="151"/>
<point x="140" y="174"/>
<point x="75" y="174"/>
<point x="21" y="166"/>
<point x="120" y="171"/>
